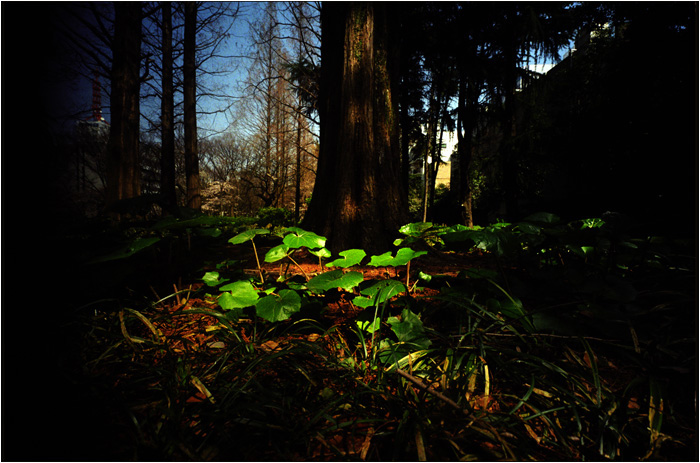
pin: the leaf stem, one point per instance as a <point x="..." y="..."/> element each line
<point x="298" y="266"/>
<point x="257" y="260"/>
<point x="408" y="275"/>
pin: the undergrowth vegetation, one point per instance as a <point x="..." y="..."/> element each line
<point x="571" y="341"/>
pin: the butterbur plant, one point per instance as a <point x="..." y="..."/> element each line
<point x="421" y="232"/>
<point x="271" y="303"/>
<point x="322" y="253"/>
<point x="296" y="238"/>
<point x="403" y="257"/>
<point x="278" y="304"/>
<point x="278" y="307"/>
<point x="348" y="258"/>
<point x="250" y="235"/>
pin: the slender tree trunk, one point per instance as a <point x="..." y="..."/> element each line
<point x="465" y="126"/>
<point x="167" y="160"/>
<point x="437" y="149"/>
<point x="297" y="171"/>
<point x="429" y="149"/>
<point x="194" y="200"/>
<point x="269" y="174"/>
<point x="426" y="179"/>
<point x="357" y="200"/>
<point x="297" y="113"/>
<point x="123" y="179"/>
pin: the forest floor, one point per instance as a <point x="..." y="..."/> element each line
<point x="165" y="375"/>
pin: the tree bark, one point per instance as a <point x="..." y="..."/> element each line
<point x="297" y="116"/>
<point x="297" y="170"/>
<point x="465" y="126"/>
<point x="437" y="149"/>
<point x="357" y="200"/>
<point x="430" y="143"/>
<point x="194" y="200"/>
<point x="167" y="162"/>
<point x="123" y="176"/>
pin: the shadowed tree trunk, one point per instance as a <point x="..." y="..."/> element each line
<point x="194" y="200"/>
<point x="167" y="163"/>
<point x="357" y="200"/>
<point x="123" y="179"/>
<point x="465" y="127"/>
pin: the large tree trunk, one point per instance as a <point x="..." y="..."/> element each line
<point x="167" y="162"/>
<point x="123" y="176"/>
<point x="357" y="200"/>
<point x="194" y="200"/>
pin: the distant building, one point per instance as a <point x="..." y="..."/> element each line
<point x="446" y="150"/>
<point x="533" y="72"/>
<point x="448" y="147"/>
<point x="444" y="174"/>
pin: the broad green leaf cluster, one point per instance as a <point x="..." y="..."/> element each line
<point x="280" y="300"/>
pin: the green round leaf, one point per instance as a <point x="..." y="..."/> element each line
<point x="248" y="235"/>
<point x="368" y="326"/>
<point x="364" y="302"/>
<point x="301" y="238"/>
<point x="212" y="279"/>
<point x="323" y="253"/>
<point x="334" y="279"/>
<point x="382" y="260"/>
<point x="242" y="294"/>
<point x="415" y="229"/>
<point x="409" y="329"/>
<point x="275" y="308"/>
<point x="383" y="290"/>
<point x="277" y="253"/>
<point x="403" y="255"/>
<point x="349" y="258"/>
